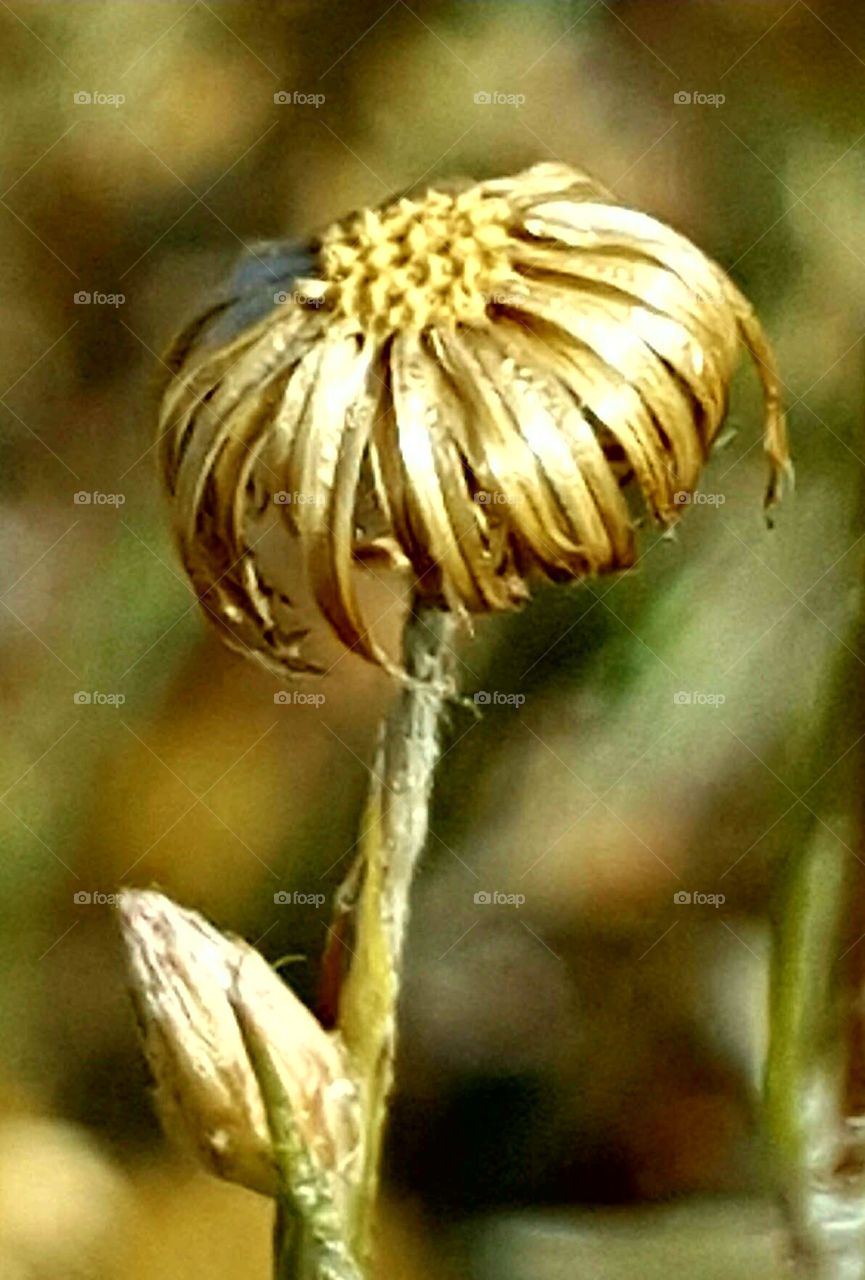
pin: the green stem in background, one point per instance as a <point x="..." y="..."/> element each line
<point x="814" y="1058"/>
<point x="395" y="827"/>
<point x="804" y="1075"/>
<point x="815" y="1072"/>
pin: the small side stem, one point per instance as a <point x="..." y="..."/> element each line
<point x="396" y="824"/>
<point x="309" y="1236"/>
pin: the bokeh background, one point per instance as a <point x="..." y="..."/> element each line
<point x="579" y="1074"/>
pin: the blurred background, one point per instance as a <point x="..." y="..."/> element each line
<point x="579" y="1072"/>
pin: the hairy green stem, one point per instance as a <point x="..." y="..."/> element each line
<point x="395" y="828"/>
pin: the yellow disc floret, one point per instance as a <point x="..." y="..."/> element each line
<point x="438" y="260"/>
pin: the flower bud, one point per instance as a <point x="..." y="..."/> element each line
<point x="184" y="975"/>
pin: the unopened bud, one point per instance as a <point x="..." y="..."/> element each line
<point x="184" y="975"/>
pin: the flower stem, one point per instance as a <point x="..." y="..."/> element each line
<point x="395" y="827"/>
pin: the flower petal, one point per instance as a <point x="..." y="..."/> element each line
<point x="502" y="460"/>
<point x="591" y="322"/>
<point x="567" y="449"/>
<point x="452" y="533"/>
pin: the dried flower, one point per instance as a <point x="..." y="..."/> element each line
<point x="182" y="973"/>
<point x="462" y="380"/>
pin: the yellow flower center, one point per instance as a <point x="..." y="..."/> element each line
<point x="433" y="261"/>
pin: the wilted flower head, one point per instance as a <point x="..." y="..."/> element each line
<point x="184" y="975"/>
<point x="464" y="380"/>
